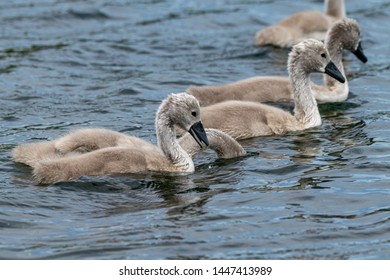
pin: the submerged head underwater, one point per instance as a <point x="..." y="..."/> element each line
<point x="194" y="130"/>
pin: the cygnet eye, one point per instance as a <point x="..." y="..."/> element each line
<point x="323" y="55"/>
<point x="193" y="113"/>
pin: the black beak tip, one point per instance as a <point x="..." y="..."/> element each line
<point x="360" y="54"/>
<point x="199" y="134"/>
<point x="334" y="72"/>
<point x="340" y="78"/>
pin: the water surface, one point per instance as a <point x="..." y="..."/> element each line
<point x="319" y="194"/>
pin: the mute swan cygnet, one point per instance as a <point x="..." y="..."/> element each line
<point x="87" y="140"/>
<point x="300" y="26"/>
<point x="245" y="119"/>
<point x="138" y="156"/>
<point x="343" y="35"/>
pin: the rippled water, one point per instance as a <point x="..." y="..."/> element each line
<point x="319" y="194"/>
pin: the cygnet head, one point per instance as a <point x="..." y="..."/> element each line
<point x="346" y="32"/>
<point x="312" y="56"/>
<point x="183" y="110"/>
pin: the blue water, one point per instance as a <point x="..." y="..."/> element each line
<point x="319" y="194"/>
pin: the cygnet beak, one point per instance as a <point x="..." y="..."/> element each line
<point x="360" y="54"/>
<point x="198" y="133"/>
<point x="334" y="72"/>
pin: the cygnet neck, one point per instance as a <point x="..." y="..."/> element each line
<point x="335" y="8"/>
<point x="335" y="46"/>
<point x="306" y="110"/>
<point x="166" y="140"/>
